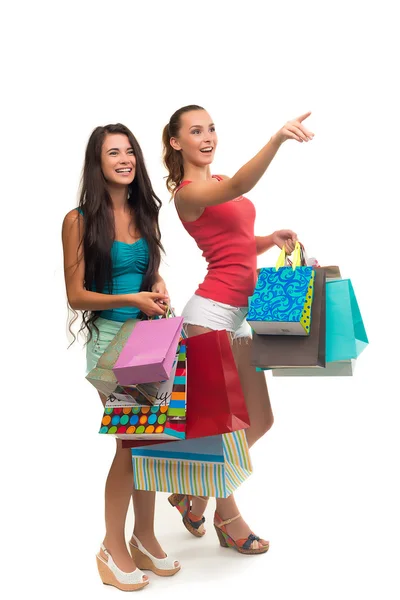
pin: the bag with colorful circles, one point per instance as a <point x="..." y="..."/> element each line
<point x="131" y="415"/>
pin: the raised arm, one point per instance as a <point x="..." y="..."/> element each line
<point x="74" y="270"/>
<point x="200" y="194"/>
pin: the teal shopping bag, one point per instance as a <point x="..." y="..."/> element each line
<point x="346" y="337"/>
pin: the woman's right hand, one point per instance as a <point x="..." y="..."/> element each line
<point x="147" y="303"/>
<point x="295" y="130"/>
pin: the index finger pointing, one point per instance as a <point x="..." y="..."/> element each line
<point x="305" y="116"/>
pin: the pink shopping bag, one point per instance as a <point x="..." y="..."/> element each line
<point x="149" y="352"/>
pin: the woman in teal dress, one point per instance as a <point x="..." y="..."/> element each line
<point x="112" y="252"/>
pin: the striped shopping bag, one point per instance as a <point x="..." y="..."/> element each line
<point x="213" y="466"/>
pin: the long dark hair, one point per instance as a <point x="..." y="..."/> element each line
<point x="98" y="232"/>
<point x="173" y="158"/>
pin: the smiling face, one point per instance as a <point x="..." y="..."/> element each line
<point x="197" y="139"/>
<point x="118" y="161"/>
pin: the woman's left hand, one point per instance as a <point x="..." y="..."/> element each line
<point x="160" y="288"/>
<point x="284" y="237"/>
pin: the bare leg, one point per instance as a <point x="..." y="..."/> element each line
<point x="255" y="392"/>
<point x="144" y="506"/>
<point x="199" y="503"/>
<point x="261" y="419"/>
<point x="118" y="492"/>
<point x="117" y="497"/>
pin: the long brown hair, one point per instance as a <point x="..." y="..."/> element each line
<point x="173" y="158"/>
<point x="98" y="233"/>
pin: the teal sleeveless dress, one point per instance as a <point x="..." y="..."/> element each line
<point x="129" y="265"/>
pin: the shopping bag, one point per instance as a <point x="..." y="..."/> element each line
<point x="346" y="335"/>
<point x="280" y="351"/>
<point x="215" y="466"/>
<point x="335" y="369"/>
<point x="102" y="376"/>
<point x="341" y="368"/>
<point x="215" y="402"/>
<point x="282" y="300"/>
<point x="149" y="352"/>
<point x="133" y="421"/>
<point x="131" y="415"/>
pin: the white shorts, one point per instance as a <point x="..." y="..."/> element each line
<point x="218" y="316"/>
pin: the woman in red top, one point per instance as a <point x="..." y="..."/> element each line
<point x="215" y="213"/>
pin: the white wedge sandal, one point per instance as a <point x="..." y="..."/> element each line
<point x="164" y="567"/>
<point x="111" y="575"/>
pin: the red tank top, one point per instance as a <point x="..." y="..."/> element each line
<point x="225" y="235"/>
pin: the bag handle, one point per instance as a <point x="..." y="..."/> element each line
<point x="297" y="260"/>
<point x="303" y="257"/>
<point x="169" y="313"/>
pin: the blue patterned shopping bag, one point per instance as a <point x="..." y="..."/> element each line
<point x="282" y="300"/>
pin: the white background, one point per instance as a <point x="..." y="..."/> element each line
<point x="325" y="483"/>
